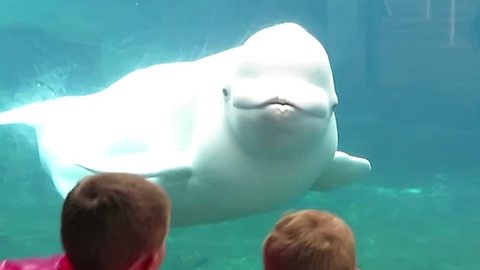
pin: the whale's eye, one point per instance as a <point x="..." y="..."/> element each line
<point x="225" y="92"/>
<point x="334" y="107"/>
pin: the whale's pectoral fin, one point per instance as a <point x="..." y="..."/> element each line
<point x="147" y="165"/>
<point x="173" y="178"/>
<point x="179" y="174"/>
<point x="344" y="170"/>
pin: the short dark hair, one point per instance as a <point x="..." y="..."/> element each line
<point x="110" y="220"/>
<point x="309" y="240"/>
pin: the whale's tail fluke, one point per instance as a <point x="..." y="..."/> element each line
<point x="27" y="114"/>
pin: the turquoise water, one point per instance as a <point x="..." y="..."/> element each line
<point x="410" y="102"/>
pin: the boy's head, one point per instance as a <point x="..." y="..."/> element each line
<point x="310" y="240"/>
<point x="115" y="221"/>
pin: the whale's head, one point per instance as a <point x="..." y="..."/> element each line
<point x="283" y="94"/>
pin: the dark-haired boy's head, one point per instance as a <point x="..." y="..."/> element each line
<point x="115" y="221"/>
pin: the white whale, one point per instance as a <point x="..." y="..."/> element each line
<point x="233" y="134"/>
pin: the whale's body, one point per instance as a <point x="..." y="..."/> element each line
<point x="232" y="134"/>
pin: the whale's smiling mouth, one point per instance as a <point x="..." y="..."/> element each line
<point x="269" y="102"/>
<point x="276" y="104"/>
<point x="278" y="101"/>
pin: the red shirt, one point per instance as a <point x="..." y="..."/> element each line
<point x="57" y="262"/>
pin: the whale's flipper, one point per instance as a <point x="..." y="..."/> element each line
<point x="345" y="169"/>
<point x="147" y="164"/>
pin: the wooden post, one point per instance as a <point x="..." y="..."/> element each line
<point x="427" y="10"/>
<point x="452" y="22"/>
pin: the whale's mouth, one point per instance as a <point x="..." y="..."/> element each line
<point x="278" y="101"/>
<point x="272" y="101"/>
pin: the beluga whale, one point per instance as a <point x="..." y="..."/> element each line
<point x="232" y="134"/>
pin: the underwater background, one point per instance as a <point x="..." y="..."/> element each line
<point x="407" y="74"/>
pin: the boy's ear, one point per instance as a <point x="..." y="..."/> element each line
<point x="151" y="260"/>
